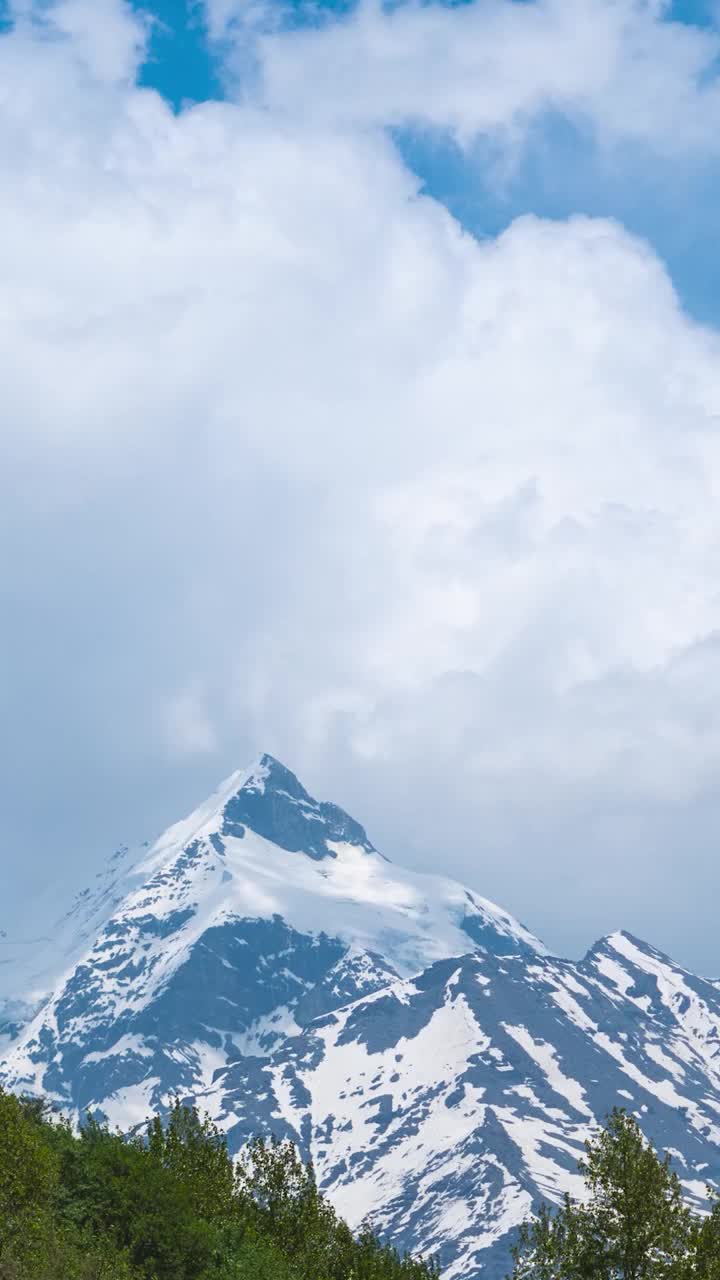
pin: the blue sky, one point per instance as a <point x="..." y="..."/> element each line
<point x="181" y="64"/>
<point x="356" y="409"/>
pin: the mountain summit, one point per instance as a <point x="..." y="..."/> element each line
<point x="259" y="865"/>
<point x="440" y="1068"/>
<point x="273" y="803"/>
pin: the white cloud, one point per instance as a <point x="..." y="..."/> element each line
<point x="104" y="38"/>
<point x="292" y="457"/>
<point x="235" y="19"/>
<point x="617" y="66"/>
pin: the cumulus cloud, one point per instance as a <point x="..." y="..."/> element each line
<point x="619" y="67"/>
<point x="106" y="40"/>
<point x="292" y="462"/>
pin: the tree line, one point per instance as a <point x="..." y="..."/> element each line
<point x="172" y="1204"/>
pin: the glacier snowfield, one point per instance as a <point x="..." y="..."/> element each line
<point x="438" y="1065"/>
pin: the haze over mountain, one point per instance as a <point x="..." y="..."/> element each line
<point x="440" y="1067"/>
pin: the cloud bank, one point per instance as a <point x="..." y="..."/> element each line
<point x="292" y="462"/>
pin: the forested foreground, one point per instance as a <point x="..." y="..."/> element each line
<point x="169" y="1205"/>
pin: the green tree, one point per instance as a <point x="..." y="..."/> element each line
<point x="289" y="1208"/>
<point x="112" y="1185"/>
<point x="53" y="1251"/>
<point x="28" y="1170"/>
<point x="704" y="1263"/>
<point x="169" y="1205"/>
<point x="633" y="1225"/>
<point x="247" y="1254"/>
<point x="292" y="1213"/>
<point x="195" y="1152"/>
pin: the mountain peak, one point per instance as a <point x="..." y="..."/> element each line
<point x="619" y="942"/>
<point x="270" y="774"/>
<point x="271" y="801"/>
<point x="628" y="947"/>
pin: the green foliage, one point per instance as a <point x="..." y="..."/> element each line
<point x="290" y="1211"/>
<point x="632" y="1225"/>
<point x="705" y="1247"/>
<point x="172" y="1205"/>
<point x="28" y="1170"/>
<point x="119" y="1187"/>
<point x="294" y="1216"/>
<point x="51" y="1250"/>
<point x="194" y="1152"/>
<point x="169" y="1205"/>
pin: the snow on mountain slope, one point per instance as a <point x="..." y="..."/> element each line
<point x="261" y="908"/>
<point x="31" y="967"/>
<point x="438" y="1065"/>
<point x="683" y="1008"/>
<point x="442" y="1107"/>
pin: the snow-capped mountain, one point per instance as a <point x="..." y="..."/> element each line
<point x="443" y="1106"/>
<point x="257" y="913"/>
<point x="438" y="1065"/>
